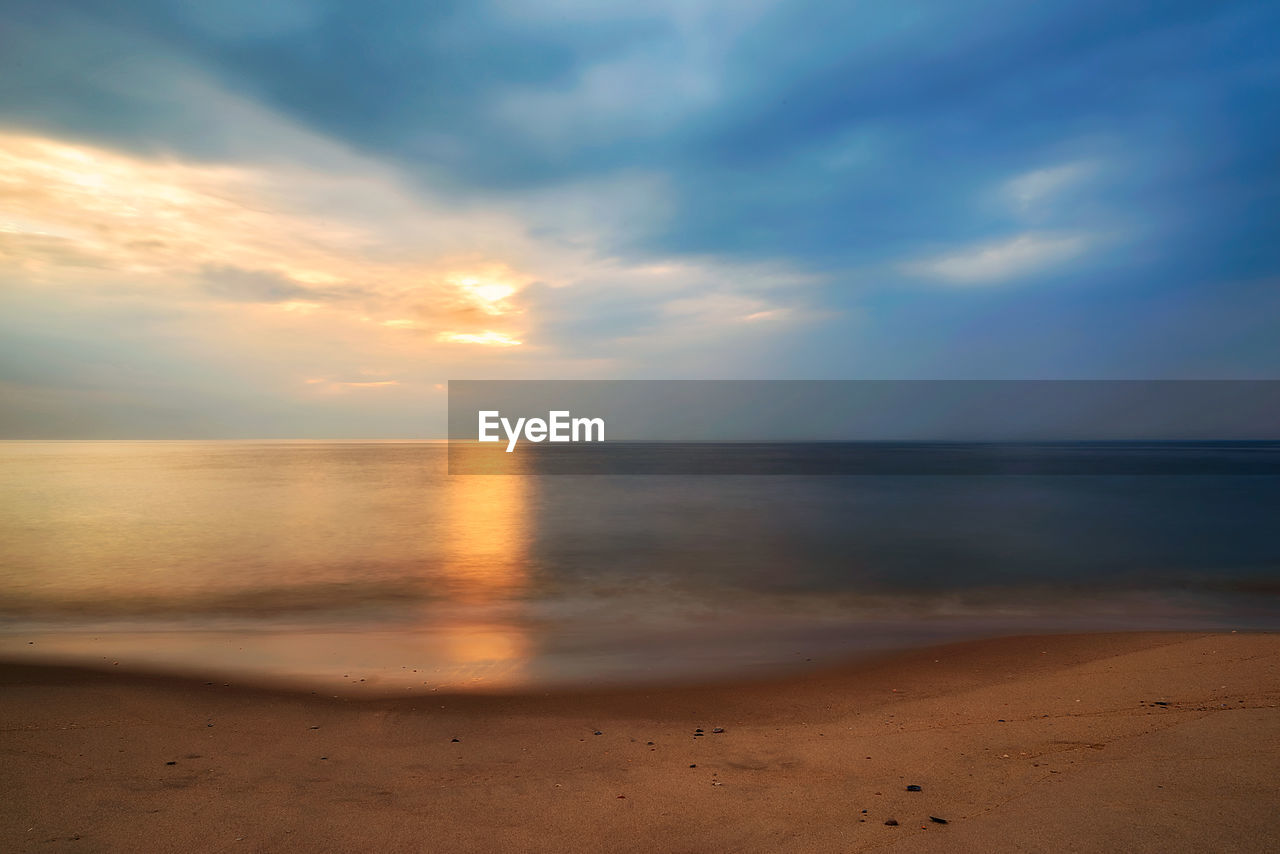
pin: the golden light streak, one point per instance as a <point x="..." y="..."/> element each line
<point x="486" y="563"/>
<point x="488" y="338"/>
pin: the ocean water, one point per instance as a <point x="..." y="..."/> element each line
<point x="365" y="567"/>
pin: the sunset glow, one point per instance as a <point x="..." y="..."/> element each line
<point x="487" y="338"/>
<point x="195" y="215"/>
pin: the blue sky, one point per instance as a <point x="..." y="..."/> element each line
<point x="300" y="218"/>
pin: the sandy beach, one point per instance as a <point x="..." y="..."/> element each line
<point x="1106" y="742"/>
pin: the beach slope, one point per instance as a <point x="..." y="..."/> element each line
<point x="1106" y="742"/>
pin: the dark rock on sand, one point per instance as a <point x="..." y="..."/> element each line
<point x="914" y="789"/>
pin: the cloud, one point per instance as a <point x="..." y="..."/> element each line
<point x="1032" y="188"/>
<point x="249" y="235"/>
<point x="235" y="200"/>
<point x="236" y="285"/>
<point x="998" y="261"/>
<point x="255" y="280"/>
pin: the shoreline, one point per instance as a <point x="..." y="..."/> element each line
<point x="835" y="669"/>
<point x="512" y="658"/>
<point x="1089" y="742"/>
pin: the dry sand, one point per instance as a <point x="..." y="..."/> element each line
<point x="1115" y="742"/>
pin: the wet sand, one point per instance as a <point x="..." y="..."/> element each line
<point x="1104" y="742"/>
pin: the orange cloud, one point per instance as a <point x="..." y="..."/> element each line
<point x="268" y="241"/>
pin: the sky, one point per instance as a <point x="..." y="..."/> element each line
<point x="301" y="219"/>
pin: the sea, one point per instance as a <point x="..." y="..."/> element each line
<point x="366" y="568"/>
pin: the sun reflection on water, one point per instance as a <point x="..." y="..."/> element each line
<point x="485" y="571"/>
